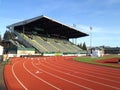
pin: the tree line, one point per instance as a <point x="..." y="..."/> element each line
<point x="7" y="36"/>
<point x="82" y="46"/>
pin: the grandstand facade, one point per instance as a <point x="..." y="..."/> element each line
<point x="42" y="35"/>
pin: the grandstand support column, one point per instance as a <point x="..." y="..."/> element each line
<point x="72" y="40"/>
<point x="23" y="29"/>
<point x="76" y="41"/>
<point x="74" y="25"/>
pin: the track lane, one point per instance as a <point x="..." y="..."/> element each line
<point x="31" y="82"/>
<point x="17" y="78"/>
<point x="64" y="69"/>
<point x="103" y="81"/>
<point x="9" y="77"/>
<point x="88" y="69"/>
<point x="34" y="72"/>
<point x="92" y="84"/>
<point x="96" y="67"/>
<point x="67" y="84"/>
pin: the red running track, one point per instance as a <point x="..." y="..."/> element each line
<point x="59" y="73"/>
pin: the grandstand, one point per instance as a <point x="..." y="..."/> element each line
<point x="44" y="35"/>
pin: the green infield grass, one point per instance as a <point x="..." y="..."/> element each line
<point x="93" y="60"/>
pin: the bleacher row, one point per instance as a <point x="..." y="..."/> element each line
<point x="45" y="44"/>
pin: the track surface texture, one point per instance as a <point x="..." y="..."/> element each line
<point x="59" y="73"/>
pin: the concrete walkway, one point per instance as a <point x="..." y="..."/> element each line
<point x="2" y="84"/>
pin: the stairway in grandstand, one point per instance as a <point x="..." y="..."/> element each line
<point x="16" y="43"/>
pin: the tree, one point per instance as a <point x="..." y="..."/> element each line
<point x="84" y="46"/>
<point x="0" y="40"/>
<point x="8" y="35"/>
<point x="80" y="45"/>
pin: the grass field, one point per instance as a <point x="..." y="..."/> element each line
<point x="93" y="60"/>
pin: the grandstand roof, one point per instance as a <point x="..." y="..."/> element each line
<point x="43" y="24"/>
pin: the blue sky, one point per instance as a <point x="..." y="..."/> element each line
<point x="102" y="15"/>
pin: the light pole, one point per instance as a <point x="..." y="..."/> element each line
<point x="74" y="40"/>
<point x="90" y="39"/>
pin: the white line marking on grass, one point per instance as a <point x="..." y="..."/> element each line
<point x="62" y="78"/>
<point x="39" y="78"/>
<point x="82" y="78"/>
<point x="17" y="77"/>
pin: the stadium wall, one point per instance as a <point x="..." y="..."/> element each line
<point x="1" y="53"/>
<point x="26" y="51"/>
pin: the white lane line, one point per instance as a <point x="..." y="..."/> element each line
<point x="83" y="78"/>
<point x="82" y="73"/>
<point x="62" y="78"/>
<point x="39" y="77"/>
<point x="69" y="66"/>
<point x="17" y="77"/>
